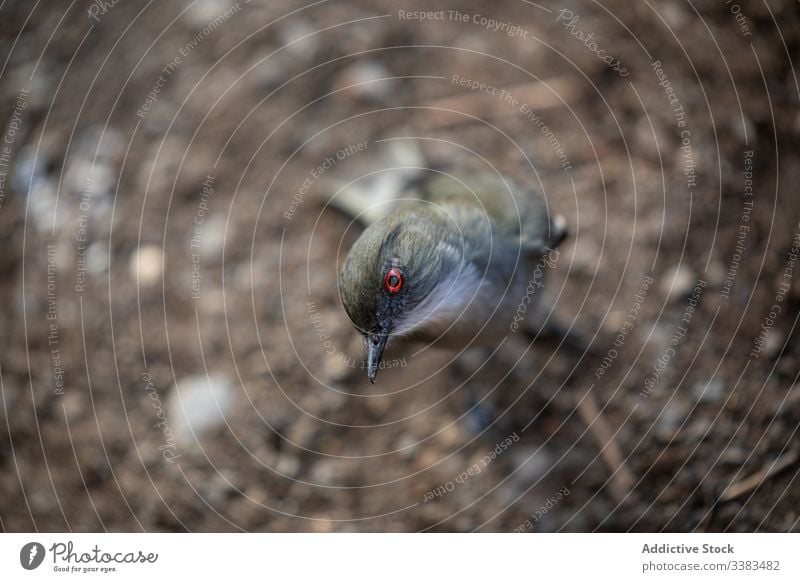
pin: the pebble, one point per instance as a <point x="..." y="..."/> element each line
<point x="774" y="343"/>
<point x="406" y="446"/>
<point x="299" y="39"/>
<point x="744" y="128"/>
<point x="677" y="282"/>
<point x="199" y="404"/>
<point x="86" y="179"/>
<point x="325" y="472"/>
<point x="585" y="255"/>
<point x="675" y="15"/>
<point x="709" y="392"/>
<point x="97" y="257"/>
<point x="670" y="420"/>
<point x="288" y="465"/>
<point x="380" y="405"/>
<point x="335" y="368"/>
<point x="270" y="73"/>
<point x="363" y="81"/>
<point x="530" y="463"/>
<point x="452" y="436"/>
<point x="147" y="264"/>
<point x="204" y="11"/>
<point x="212" y="238"/>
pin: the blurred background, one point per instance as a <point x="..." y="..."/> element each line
<point x="173" y="352"/>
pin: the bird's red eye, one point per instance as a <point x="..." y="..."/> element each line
<point x="393" y="281"/>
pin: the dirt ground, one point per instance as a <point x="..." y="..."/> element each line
<point x="165" y="169"/>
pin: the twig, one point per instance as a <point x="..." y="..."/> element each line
<point x="622" y="479"/>
<point x="755" y="480"/>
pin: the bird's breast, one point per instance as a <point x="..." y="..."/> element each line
<point x="474" y="308"/>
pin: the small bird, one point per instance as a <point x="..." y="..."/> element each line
<point x="449" y="266"/>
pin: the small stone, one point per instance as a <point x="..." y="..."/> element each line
<point x="270" y="73"/>
<point x="146" y="266"/>
<point x="299" y="39"/>
<point x="368" y="80"/>
<point x="74" y="405"/>
<point x="198" y="404"/>
<point x="452" y="436"/>
<point x="321" y="525"/>
<point x="42" y="205"/>
<point x="335" y="368"/>
<point x="325" y="472"/>
<point x="698" y="430"/>
<point x="744" y="128"/>
<point x="380" y="405"/>
<point x="671" y="417"/>
<point x="675" y="15"/>
<point x="585" y="254"/>
<point x="774" y="343"/>
<point x="677" y="282"/>
<point x="204" y="11"/>
<point x="97" y="257"/>
<point x="288" y="465"/>
<point x="406" y="446"/>
<point x="212" y="238"/>
<point x="531" y="463"/>
<point x="615" y="320"/>
<point x="709" y="392"/>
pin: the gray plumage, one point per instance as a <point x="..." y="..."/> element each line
<point x="465" y="248"/>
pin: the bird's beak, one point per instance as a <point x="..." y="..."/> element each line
<point x="375" y="344"/>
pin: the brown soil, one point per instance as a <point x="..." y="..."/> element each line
<point x="654" y="167"/>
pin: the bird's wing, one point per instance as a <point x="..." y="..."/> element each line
<point x="516" y="211"/>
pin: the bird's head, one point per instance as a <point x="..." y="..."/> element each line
<point x="391" y="277"/>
